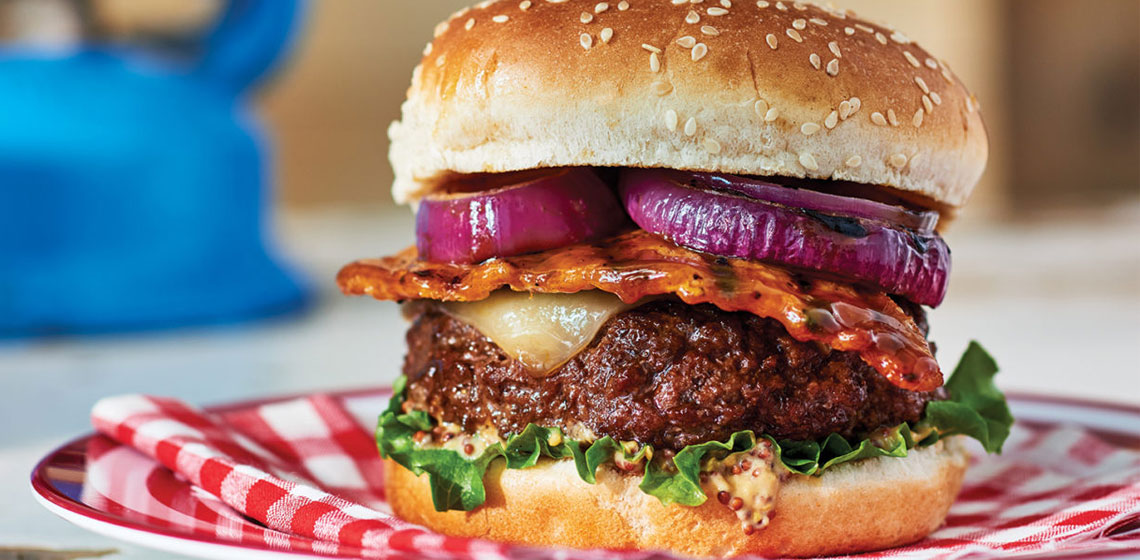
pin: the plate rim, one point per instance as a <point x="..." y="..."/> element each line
<point x="65" y="507"/>
<point x="167" y="541"/>
<point x="96" y="520"/>
<point x="72" y="510"/>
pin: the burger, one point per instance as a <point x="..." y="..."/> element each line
<point x="670" y="277"/>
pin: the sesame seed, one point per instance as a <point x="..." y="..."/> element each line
<point x="427" y="49"/>
<point x="470" y="23"/>
<point x="712" y="146"/>
<point x="912" y="60"/>
<point x="710" y="30"/>
<point x="556" y="1"/>
<point x="692" y="17"/>
<point x="690" y="126"/>
<point x="671" y="120"/>
<point x="849" y="30"/>
<point x="819" y="21"/>
<point x="808" y="161"/>
<point x="726" y="3"/>
<point x="892" y="117"/>
<point x="688" y="41"/>
<point x="878" y="119"/>
<point x="853" y="161"/>
<point x="601" y="7"/>
<point x="834" y="46"/>
<point x="856" y="104"/>
<point x="500" y="19"/>
<point x="440" y="60"/>
<point x="866" y="28"/>
<point x="586" y="17"/>
<point x="809" y="128"/>
<point x="772" y="114"/>
<point x="772" y="41"/>
<point x="762" y="4"/>
<point x="678" y="2"/>
<point x="936" y="98"/>
<point x="699" y="51"/>
<point x="606" y="34"/>
<point x="931" y="64"/>
<point x="650" y="48"/>
<point x="662" y="88"/>
<point x="815" y="61"/>
<point x="844" y="109"/>
<point x="795" y="35"/>
<point x="946" y="75"/>
<point x="799" y="23"/>
<point x="833" y="67"/>
<point x="914" y="159"/>
<point x="917" y="120"/>
<point x="586" y="40"/>
<point x="781" y="6"/>
<point x="926" y="104"/>
<point x="882" y="39"/>
<point x="441" y="28"/>
<point x="899" y="38"/>
<point x="623" y="6"/>
<point x="921" y="84"/>
<point x="800" y="6"/>
<point x="760" y="107"/>
<point x="524" y="5"/>
<point x="654" y="62"/>
<point x="971" y="104"/>
<point x="484" y="4"/>
<point x="831" y="120"/>
<point x="897" y="161"/>
<point x="716" y="11"/>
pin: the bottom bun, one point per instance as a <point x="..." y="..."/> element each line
<point x="855" y="507"/>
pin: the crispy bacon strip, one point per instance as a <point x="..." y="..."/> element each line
<point x="637" y="264"/>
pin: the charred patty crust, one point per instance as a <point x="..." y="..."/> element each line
<point x="666" y="374"/>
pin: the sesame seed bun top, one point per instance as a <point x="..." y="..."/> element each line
<point x="741" y="86"/>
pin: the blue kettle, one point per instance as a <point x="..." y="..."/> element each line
<point x="133" y="187"/>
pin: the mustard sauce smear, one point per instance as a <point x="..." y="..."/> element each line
<point x="747" y="484"/>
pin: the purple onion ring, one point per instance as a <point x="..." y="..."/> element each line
<point x="921" y="222"/>
<point x="566" y="207"/>
<point x="899" y="261"/>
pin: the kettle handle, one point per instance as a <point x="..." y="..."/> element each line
<point x="249" y="39"/>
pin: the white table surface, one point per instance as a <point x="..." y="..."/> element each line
<point x="1057" y="303"/>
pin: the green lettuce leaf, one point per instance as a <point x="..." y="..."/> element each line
<point x="812" y="458"/>
<point x="976" y="409"/>
<point x="679" y="481"/>
<point x="457" y="481"/>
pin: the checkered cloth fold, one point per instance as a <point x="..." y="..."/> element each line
<point x="307" y="472"/>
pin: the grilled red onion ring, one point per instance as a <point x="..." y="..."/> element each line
<point x="799" y="230"/>
<point x="569" y="206"/>
<point x="920" y="222"/>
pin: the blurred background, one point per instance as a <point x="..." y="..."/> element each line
<point x="251" y="140"/>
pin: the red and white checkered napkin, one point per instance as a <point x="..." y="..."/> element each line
<point x="307" y="471"/>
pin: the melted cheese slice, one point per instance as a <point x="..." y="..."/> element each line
<point x="543" y="331"/>
<point x="637" y="265"/>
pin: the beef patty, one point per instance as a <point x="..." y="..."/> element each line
<point x="666" y="374"/>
